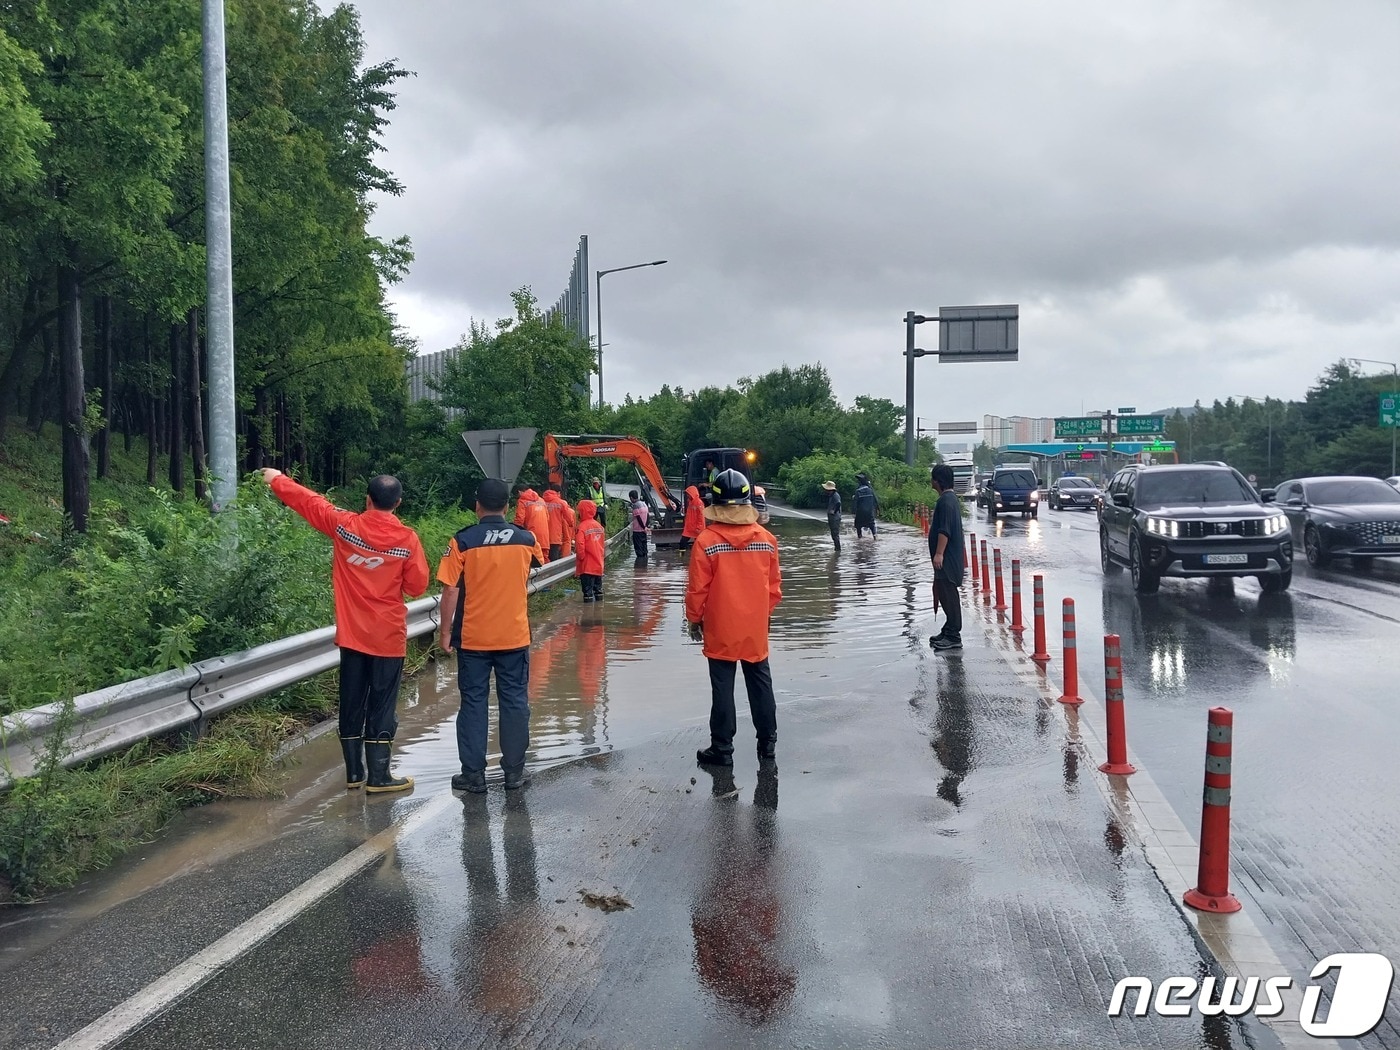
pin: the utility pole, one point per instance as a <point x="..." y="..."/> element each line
<point x="223" y="439"/>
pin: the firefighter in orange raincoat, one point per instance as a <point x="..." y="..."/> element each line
<point x="694" y="517"/>
<point x="733" y="587"/>
<point x="561" y="524"/>
<point x="589" y="541"/>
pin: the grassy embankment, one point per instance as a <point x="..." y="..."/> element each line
<point x="153" y="585"/>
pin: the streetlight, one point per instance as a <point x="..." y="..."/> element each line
<point x="598" y="283"/>
<point x="1268" y="415"/>
<point x="1396" y="372"/>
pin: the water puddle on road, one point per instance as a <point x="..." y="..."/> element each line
<point x="603" y="677"/>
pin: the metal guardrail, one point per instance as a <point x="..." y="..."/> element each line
<point x="119" y="716"/>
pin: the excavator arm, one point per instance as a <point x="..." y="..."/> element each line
<point x="604" y="446"/>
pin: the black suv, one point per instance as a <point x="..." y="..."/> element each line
<point x="1192" y="520"/>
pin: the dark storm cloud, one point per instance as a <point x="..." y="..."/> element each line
<point x="1184" y="198"/>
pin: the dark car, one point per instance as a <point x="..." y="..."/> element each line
<point x="984" y="487"/>
<point x="1357" y="518"/>
<point x="1074" y="491"/>
<point x="1192" y="520"/>
<point x="1013" y="490"/>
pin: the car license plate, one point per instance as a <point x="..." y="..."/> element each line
<point x="1227" y="559"/>
<point x="1390" y="539"/>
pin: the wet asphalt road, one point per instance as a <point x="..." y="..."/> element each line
<point x="936" y="873"/>
<point x="1313" y="676"/>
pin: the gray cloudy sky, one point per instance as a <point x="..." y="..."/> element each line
<point x="1187" y="199"/>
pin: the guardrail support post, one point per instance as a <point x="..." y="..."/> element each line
<point x="1212" y="892"/>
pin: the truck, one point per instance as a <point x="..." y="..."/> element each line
<point x="964" y="472"/>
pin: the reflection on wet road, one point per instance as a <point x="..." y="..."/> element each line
<point x="940" y="861"/>
<point x="1310" y="675"/>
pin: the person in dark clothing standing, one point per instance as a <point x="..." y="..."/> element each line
<point x="865" y="504"/>
<point x="833" y="512"/>
<point x="945" y="547"/>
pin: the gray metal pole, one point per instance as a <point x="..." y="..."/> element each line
<point x="598" y="299"/>
<point x="1394" y="382"/>
<point x="223" y="441"/>
<point x="909" y="388"/>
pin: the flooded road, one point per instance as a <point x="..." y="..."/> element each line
<point x="939" y="870"/>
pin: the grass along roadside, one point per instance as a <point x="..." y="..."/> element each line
<point x="62" y="823"/>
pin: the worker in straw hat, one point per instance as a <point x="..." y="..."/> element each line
<point x="732" y="588"/>
<point x="833" y="512"/>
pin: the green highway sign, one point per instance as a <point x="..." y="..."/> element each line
<point x="1142" y="424"/>
<point x="1157" y="446"/>
<point x="1390" y="409"/>
<point x="1079" y="427"/>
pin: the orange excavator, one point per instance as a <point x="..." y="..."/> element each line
<point x="668" y="512"/>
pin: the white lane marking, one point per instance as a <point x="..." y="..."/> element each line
<point x="162" y="993"/>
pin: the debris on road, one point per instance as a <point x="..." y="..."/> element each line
<point x="609" y="902"/>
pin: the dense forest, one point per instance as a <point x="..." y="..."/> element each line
<point x="102" y="235"/>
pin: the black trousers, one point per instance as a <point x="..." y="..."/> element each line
<point x="592" y="584"/>
<point x="639" y="544"/>
<point x="758" y="681"/>
<point x="834" y="524"/>
<point x="369" y="692"/>
<point x="952" y="608"/>
<point x="555" y="551"/>
<point x="865" y="523"/>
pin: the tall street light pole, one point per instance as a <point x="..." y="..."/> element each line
<point x="1269" y="416"/>
<point x="1395" y="372"/>
<point x="598" y="298"/>
<point x="218" y="271"/>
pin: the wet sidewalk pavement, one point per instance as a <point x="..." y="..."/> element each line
<point x="931" y="865"/>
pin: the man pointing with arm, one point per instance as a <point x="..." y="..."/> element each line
<point x="377" y="559"/>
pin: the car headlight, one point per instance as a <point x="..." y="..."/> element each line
<point x="1276" y="524"/>
<point x="1164" y="527"/>
<point x="1035" y="496"/>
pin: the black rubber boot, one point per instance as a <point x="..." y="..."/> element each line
<point x="716" y="754"/>
<point x="516" y="779"/>
<point x="768" y="748"/>
<point x="377" y="758"/>
<point x="473" y="782"/>
<point x="354" y="750"/>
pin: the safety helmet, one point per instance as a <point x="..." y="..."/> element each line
<point x="730" y="488"/>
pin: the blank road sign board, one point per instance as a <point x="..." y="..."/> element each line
<point x="500" y="453"/>
<point x="978" y="333"/>
<point x="957" y="428"/>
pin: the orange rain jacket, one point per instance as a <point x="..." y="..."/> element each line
<point x="734" y="585"/>
<point x="377" y="559"/>
<point x="590" y="539"/>
<point x="532" y="514"/>
<point x="694" y="514"/>
<point x="561" y="522"/>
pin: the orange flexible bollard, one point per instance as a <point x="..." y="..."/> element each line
<point x="1016" y="625"/>
<point x="1042" y="653"/>
<point x="973" y="560"/>
<point x="1071" y="693"/>
<point x="1113" y="702"/>
<point x="1212" y="892"/>
<point x="986" y="570"/>
<point x="1001" y="590"/>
